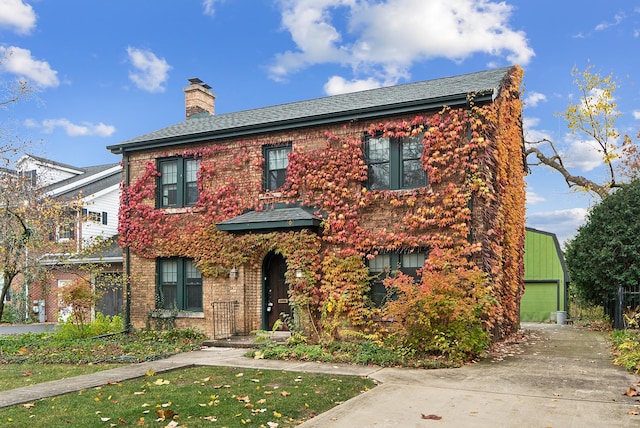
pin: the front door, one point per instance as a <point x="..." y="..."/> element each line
<point x="276" y="293"/>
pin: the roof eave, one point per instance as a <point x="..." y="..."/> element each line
<point x="351" y="115"/>
<point x="269" y="225"/>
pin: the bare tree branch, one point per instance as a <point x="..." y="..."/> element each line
<point x="555" y="162"/>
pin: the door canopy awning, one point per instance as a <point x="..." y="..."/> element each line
<point x="272" y="218"/>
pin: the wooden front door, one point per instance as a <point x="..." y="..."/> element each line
<point x="276" y="296"/>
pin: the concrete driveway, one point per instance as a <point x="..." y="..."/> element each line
<point x="562" y="378"/>
<point x="26" y="328"/>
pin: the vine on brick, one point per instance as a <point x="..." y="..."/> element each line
<point x="470" y="216"/>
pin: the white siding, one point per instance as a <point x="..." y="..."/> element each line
<point x="47" y="174"/>
<point x="108" y="202"/>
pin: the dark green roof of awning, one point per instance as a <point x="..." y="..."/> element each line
<point x="272" y="218"/>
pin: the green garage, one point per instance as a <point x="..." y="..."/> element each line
<point x="546" y="278"/>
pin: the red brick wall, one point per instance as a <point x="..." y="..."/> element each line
<point x="247" y="288"/>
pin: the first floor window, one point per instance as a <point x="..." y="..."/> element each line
<point x="384" y="265"/>
<point x="179" y="285"/>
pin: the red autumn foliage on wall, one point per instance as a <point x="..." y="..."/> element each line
<point x="471" y="213"/>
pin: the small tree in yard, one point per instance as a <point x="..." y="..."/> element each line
<point x="27" y="220"/>
<point x="605" y="253"/>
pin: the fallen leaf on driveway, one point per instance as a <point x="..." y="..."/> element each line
<point x="631" y="392"/>
<point x="432" y="417"/>
<point x="633" y="412"/>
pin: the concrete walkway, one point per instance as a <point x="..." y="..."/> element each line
<point x="561" y="378"/>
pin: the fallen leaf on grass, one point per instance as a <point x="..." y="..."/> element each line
<point x="285" y="393"/>
<point x="150" y="372"/>
<point x="432" y="417"/>
<point x="29" y="405"/>
<point x="164" y="414"/>
<point x="161" y="382"/>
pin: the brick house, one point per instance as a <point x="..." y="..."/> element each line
<point x="232" y="221"/>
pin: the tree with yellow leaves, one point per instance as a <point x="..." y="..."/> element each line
<point x="592" y="116"/>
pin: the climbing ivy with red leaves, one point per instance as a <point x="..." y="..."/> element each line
<point x="469" y="216"/>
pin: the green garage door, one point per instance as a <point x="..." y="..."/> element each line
<point x="539" y="300"/>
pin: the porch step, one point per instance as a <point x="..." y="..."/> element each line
<point x="249" y="341"/>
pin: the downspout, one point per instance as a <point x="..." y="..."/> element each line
<point x="127" y="251"/>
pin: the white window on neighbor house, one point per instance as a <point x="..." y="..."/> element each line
<point x="101" y="217"/>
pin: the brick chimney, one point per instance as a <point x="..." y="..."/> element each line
<point x="198" y="99"/>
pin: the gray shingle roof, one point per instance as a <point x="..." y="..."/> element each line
<point x="276" y="218"/>
<point x="90" y="187"/>
<point x="371" y="103"/>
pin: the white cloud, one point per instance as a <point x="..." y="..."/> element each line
<point x="338" y="85"/>
<point x="530" y="132"/>
<point x="533" y="98"/>
<point x="582" y="155"/>
<point x="564" y="223"/>
<point x="17" y="16"/>
<point x="617" y="19"/>
<point x="384" y="39"/>
<point x="150" y="72"/>
<point x="636" y="114"/>
<point x="209" y="7"/>
<point x="84" y="129"/>
<point x="19" y="61"/>
<point x="533" y="197"/>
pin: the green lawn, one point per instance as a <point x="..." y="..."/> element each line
<point x="194" y="397"/>
<point x="25" y="374"/>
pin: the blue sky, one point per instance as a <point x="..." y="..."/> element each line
<point x="107" y="71"/>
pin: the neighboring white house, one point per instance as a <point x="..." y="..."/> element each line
<point x="97" y="190"/>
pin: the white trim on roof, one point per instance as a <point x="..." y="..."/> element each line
<point x="84" y="181"/>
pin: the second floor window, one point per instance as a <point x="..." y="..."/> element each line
<point x="276" y="160"/>
<point x="394" y="163"/>
<point x="178" y="182"/>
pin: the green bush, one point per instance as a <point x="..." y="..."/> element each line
<point x="102" y="324"/>
<point x="442" y="316"/>
<point x="10" y="314"/>
<point x="627" y="349"/>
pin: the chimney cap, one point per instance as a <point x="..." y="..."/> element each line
<point x="195" y="81"/>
